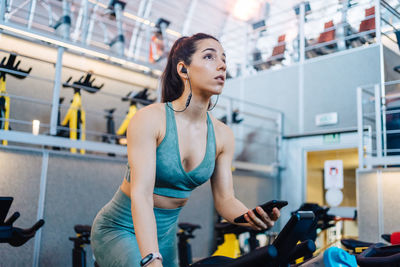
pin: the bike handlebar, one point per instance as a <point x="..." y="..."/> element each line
<point x="20" y="236"/>
<point x="12" y="219"/>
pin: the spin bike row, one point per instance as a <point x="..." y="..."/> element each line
<point x="283" y="251"/>
<point x="289" y="245"/>
<point x="294" y="242"/>
<point x="280" y="253"/>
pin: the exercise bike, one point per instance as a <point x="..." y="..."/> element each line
<point x="375" y="254"/>
<point x="81" y="239"/>
<point x="361" y="253"/>
<point x="13" y="235"/>
<point x="284" y="250"/>
<point x="323" y="220"/>
<point x="74" y="123"/>
<point x="16" y="72"/>
<point x="234" y="117"/>
<point x="226" y="239"/>
<point x="119" y="137"/>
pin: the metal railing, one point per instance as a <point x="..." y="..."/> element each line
<point x="257" y="129"/>
<point x="258" y="132"/>
<point x="378" y="111"/>
<point x="349" y="24"/>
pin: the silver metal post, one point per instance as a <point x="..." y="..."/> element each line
<point x="31" y="13"/>
<point x="342" y="26"/>
<point x="138" y="44"/>
<point x="2" y="10"/>
<point x="379" y="41"/>
<point x="118" y="17"/>
<point x="379" y="181"/>
<point x="66" y="28"/>
<point x="246" y="58"/>
<point x="56" y="92"/>
<point x="301" y="67"/>
<point x="382" y="68"/>
<point x="383" y="105"/>
<point x="91" y="24"/>
<point x="378" y="121"/>
<point x="369" y="145"/>
<point x="8" y="5"/>
<point x="189" y="16"/>
<point x="378" y="21"/>
<point x="301" y="31"/>
<point x="40" y="211"/>
<point x="85" y="23"/>
<point x="136" y="28"/>
<point x="75" y="34"/>
<point x="360" y="129"/>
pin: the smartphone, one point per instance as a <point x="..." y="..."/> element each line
<point x="267" y="207"/>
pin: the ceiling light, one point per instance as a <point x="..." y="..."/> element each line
<point x="246" y="9"/>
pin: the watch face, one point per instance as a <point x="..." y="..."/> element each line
<point x="146" y="259"/>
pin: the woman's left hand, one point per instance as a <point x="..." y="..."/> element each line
<point x="265" y="222"/>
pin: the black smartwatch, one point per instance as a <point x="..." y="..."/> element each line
<point x="150" y="258"/>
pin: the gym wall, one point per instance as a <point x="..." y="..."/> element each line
<point x="20" y="178"/>
<point x="378" y="201"/>
<point x="330" y="84"/>
<point x="118" y="82"/>
<point x="272" y="89"/>
<point x="78" y="187"/>
<point x="293" y="184"/>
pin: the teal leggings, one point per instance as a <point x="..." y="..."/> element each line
<point x="113" y="238"/>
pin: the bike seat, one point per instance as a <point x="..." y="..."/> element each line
<point x="353" y="244"/>
<point x="380" y="255"/>
<point x="188" y="226"/>
<point x="81" y="229"/>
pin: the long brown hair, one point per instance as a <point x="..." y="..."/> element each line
<point x="182" y="50"/>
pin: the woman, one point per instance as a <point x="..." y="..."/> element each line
<point x="172" y="148"/>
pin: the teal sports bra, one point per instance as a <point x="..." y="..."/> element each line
<point x="171" y="179"/>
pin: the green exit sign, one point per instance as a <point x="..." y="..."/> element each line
<point x="331" y="138"/>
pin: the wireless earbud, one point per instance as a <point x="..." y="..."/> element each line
<point x="184" y="70"/>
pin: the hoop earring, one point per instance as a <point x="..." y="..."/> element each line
<point x="209" y="109"/>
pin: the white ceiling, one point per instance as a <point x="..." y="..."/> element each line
<point x="210" y="16"/>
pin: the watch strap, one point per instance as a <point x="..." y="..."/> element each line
<point x="150" y="258"/>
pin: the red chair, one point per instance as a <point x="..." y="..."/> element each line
<point x="368" y="23"/>
<point x="277" y="55"/>
<point x="328" y="34"/>
<point x="279" y="49"/>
